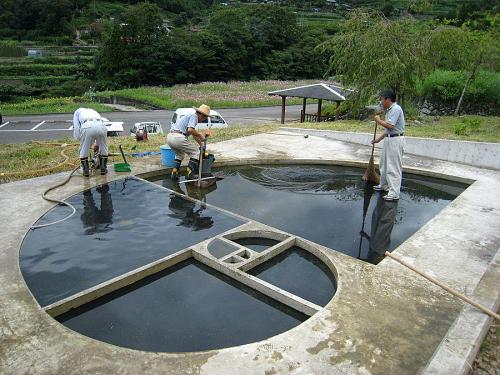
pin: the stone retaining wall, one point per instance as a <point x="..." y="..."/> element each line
<point x="448" y="108"/>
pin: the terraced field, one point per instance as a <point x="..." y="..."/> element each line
<point x="61" y="69"/>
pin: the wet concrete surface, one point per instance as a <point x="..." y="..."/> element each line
<point x="331" y="206"/>
<point x="189" y="307"/>
<point x="118" y="227"/>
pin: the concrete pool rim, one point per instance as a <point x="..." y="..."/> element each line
<point x="198" y="359"/>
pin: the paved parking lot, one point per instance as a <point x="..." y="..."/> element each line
<point x="17" y="129"/>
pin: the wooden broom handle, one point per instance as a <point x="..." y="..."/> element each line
<point x="123" y="154"/>
<point x="374" y="136"/>
<point x="445" y="287"/>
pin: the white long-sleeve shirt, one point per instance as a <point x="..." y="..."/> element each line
<point x="80" y="116"/>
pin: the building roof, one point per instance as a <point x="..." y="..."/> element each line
<point x="316" y="91"/>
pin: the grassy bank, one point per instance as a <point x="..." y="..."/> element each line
<point x="234" y="94"/>
<point x="32" y="156"/>
<point x="216" y="94"/>
<point x="28" y="157"/>
<point x="447" y="127"/>
<point x="49" y="105"/>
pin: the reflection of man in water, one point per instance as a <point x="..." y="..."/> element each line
<point x="184" y="209"/>
<point x="97" y="220"/>
<point x="383" y="219"/>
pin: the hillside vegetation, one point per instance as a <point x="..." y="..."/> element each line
<point x="423" y="49"/>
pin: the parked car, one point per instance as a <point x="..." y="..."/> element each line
<point x="214" y="121"/>
<point x="152" y="127"/>
<point x="114" y="127"/>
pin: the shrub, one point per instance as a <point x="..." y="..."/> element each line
<point x="44" y="69"/>
<point x="485" y="87"/>
<point x="466" y="126"/>
<point x="460" y="129"/>
<point x="10" y="48"/>
<point x="443" y="85"/>
<point x="447" y="86"/>
<point x="69" y="88"/>
<point x="473" y="124"/>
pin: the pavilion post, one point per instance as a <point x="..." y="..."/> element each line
<point x="283" y="100"/>
<point x="303" y="114"/>
<point x="319" y="110"/>
<point x="337" y="110"/>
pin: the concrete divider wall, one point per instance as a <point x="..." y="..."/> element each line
<point x="478" y="154"/>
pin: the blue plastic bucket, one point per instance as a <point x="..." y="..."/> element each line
<point x="167" y="156"/>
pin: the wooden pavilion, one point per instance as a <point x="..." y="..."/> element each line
<point x="319" y="91"/>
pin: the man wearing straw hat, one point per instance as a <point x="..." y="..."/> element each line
<point x="391" y="158"/>
<point x="177" y="139"/>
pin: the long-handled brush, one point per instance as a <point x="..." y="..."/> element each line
<point x="371" y="174"/>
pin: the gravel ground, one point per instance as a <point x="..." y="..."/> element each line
<point x="487" y="361"/>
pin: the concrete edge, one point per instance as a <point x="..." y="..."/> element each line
<point x="467" y="313"/>
<point x="459" y="348"/>
<point x="344" y="163"/>
<point x="478" y="154"/>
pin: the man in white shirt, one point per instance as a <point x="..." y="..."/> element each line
<point x="88" y="128"/>
<point x="177" y="139"/>
<point x="391" y="158"/>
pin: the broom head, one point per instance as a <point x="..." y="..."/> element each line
<point x="371" y="174"/>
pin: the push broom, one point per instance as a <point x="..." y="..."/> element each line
<point x="371" y="174"/>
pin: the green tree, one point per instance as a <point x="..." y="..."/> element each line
<point x="372" y="52"/>
<point x="125" y="52"/>
<point x="450" y="48"/>
<point x="250" y="34"/>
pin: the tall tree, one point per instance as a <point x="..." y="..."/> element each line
<point x="372" y="52"/>
<point x="125" y="52"/>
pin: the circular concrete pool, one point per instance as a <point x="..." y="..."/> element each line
<point x="130" y="269"/>
<point x="156" y="269"/>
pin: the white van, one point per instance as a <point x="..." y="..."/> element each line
<point x="214" y="121"/>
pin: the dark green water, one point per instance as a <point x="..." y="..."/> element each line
<point x="128" y="223"/>
<point x="299" y="272"/>
<point x="331" y="206"/>
<point x="117" y="227"/>
<point x="257" y="244"/>
<point x="188" y="307"/>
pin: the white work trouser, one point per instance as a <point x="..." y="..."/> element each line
<point x="91" y="131"/>
<point x="181" y="146"/>
<point x="391" y="164"/>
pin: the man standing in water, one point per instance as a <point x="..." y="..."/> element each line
<point x="391" y="158"/>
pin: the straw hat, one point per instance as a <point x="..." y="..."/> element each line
<point x="203" y="109"/>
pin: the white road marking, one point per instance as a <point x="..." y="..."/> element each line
<point x="7" y="123"/>
<point x="40" y="124"/>
<point x="29" y="130"/>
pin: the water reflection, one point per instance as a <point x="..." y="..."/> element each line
<point x="324" y="204"/>
<point x="185" y="210"/>
<point x="97" y="219"/>
<point x="383" y="219"/>
<point x="118" y="227"/>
